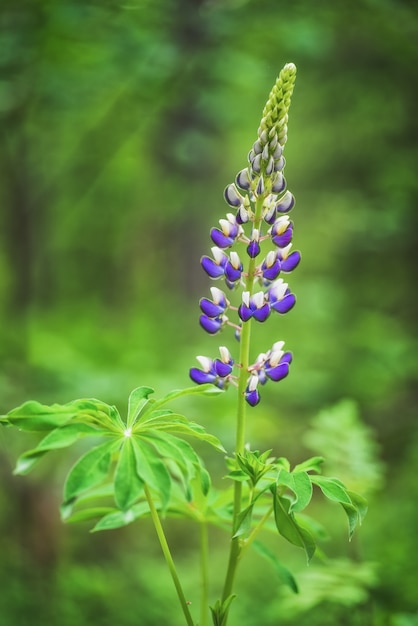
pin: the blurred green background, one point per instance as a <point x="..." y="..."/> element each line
<point x="121" y="123"/>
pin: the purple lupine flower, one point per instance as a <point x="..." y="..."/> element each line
<point x="225" y="236"/>
<point x="204" y="375"/>
<point x="288" y="260"/>
<point x="216" y="371"/>
<point x="212" y="325"/>
<point x="215" y="267"/>
<point x="233" y="268"/>
<point x="280" y="298"/>
<point x="272" y="366"/>
<point x="252" y="395"/>
<point x="282" y="231"/>
<point x="277" y="363"/>
<point x="223" y="366"/>
<point x="253" y="248"/>
<point x="215" y="307"/>
<point x="259" y="196"/>
<point x="270" y="268"/>
<point x="254" y="306"/>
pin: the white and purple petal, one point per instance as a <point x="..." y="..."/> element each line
<point x="290" y="262"/>
<point x="211" y="324"/>
<point x="286" y="203"/>
<point x="222" y="369"/>
<point x="285" y="304"/>
<point x="277" y="372"/>
<point x="200" y="377"/>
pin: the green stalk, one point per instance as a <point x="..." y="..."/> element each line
<point x="245" y="341"/>
<point x="204" y="581"/>
<point x="167" y="555"/>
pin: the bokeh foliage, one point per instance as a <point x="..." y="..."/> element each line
<point x="121" y="123"/>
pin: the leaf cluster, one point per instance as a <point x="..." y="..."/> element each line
<point x="146" y="451"/>
<point x="288" y="493"/>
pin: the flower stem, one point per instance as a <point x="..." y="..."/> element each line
<point x="204" y="573"/>
<point x="167" y="555"/>
<point x="245" y="341"/>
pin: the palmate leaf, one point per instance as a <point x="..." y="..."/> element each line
<point x="89" y="470"/>
<point x="61" y="437"/>
<point x="148" y="448"/>
<point x="34" y="416"/>
<point x="118" y="519"/>
<point x="138" y="399"/>
<point x="128" y="484"/>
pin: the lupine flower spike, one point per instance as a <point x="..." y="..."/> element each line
<point x="259" y="204"/>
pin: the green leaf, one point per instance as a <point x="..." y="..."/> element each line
<point x="220" y="611"/>
<point x="128" y="484"/>
<point x="310" y="465"/>
<point x="89" y="470"/>
<point x="355" y="511"/>
<point x="138" y="399"/>
<point x="86" y="515"/>
<point x="59" y="438"/>
<point x="289" y="528"/>
<point x="193" y="430"/>
<point x="118" y="519"/>
<point x="37" y="417"/>
<point x="300" y="484"/>
<point x="360" y="503"/>
<point x="198" y="390"/>
<point x="332" y="488"/>
<point x="244" y="518"/>
<point x="151" y="470"/>
<point x="284" y="574"/>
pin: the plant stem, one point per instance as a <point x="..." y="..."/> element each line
<point x="204" y="599"/>
<point x="245" y="340"/>
<point x="257" y="529"/>
<point x="167" y="555"/>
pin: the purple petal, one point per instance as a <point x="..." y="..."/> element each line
<point x="211" y="268"/>
<point x="200" y="377"/>
<point x="252" y="397"/>
<point x="253" y="249"/>
<point x="271" y="273"/>
<point x="221" y="240"/>
<point x="232" y="273"/>
<point x="284" y="239"/>
<point x="284" y="305"/>
<point x="262" y="314"/>
<point x="287" y="358"/>
<point x="222" y="369"/>
<point x="211" y="309"/>
<point x="245" y="312"/>
<point x="211" y="325"/>
<point x="278" y="372"/>
<point x="291" y="262"/>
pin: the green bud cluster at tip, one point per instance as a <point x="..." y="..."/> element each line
<point x="275" y="113"/>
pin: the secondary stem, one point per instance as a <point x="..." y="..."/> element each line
<point x="167" y="555"/>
